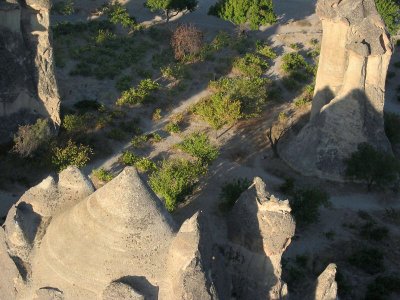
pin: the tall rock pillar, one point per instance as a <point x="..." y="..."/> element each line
<point x="347" y="108"/>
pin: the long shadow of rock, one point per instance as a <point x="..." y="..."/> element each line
<point x="334" y="133"/>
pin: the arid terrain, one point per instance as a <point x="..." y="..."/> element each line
<point x="329" y="218"/>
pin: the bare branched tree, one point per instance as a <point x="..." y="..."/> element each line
<point x="186" y="40"/>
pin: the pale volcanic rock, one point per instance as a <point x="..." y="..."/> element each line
<point x="120" y="229"/>
<point x="28" y="87"/>
<point x="263" y="227"/>
<point x="119" y="290"/>
<point x="347" y="108"/>
<point x="186" y="269"/>
<point x="27" y="220"/>
<point x="10" y="278"/>
<point x="326" y="287"/>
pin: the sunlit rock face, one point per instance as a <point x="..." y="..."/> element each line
<point x="64" y="240"/>
<point x="348" y="102"/>
<point x="28" y="87"/>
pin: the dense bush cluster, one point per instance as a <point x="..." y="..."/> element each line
<point x="390" y="12"/>
<point x="198" y="145"/>
<point x="233" y="99"/>
<point x="64" y="8"/>
<point x="117" y="14"/>
<point x="254" y="12"/>
<point x="306" y="203"/>
<point x="372" y="166"/>
<point x="231" y="191"/>
<point x="31" y="138"/>
<point x="175" y="179"/>
<point x="392" y="128"/>
<point x="251" y="65"/>
<point x="143" y="93"/>
<point x="71" y="155"/>
<point x="102" y="175"/>
<point x="171" y="7"/>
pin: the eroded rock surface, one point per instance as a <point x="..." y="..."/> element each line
<point x="28" y="87"/>
<point x="63" y="240"/>
<point x="263" y="227"/>
<point x="347" y="108"/>
<point x="326" y="287"/>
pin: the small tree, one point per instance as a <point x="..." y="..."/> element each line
<point x="186" y="40"/>
<point x="171" y="7"/>
<point x="390" y="12"/>
<point x="71" y="155"/>
<point x="372" y="166"/>
<point x="31" y="138"/>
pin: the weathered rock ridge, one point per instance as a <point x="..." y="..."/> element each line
<point x="28" y="86"/>
<point x="348" y="102"/>
<point x="64" y="240"/>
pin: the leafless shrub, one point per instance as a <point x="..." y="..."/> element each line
<point x="186" y="40"/>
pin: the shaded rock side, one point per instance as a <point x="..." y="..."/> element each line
<point x="121" y="229"/>
<point x="326" y="286"/>
<point x="348" y="101"/>
<point x="262" y="227"/>
<point x="28" y="219"/>
<point x="27" y="78"/>
<point x="187" y="271"/>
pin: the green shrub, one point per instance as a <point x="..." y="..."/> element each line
<point x="221" y="40"/>
<point x="392" y="127"/>
<point x="128" y="158"/>
<point x="257" y="13"/>
<point x="143" y="93"/>
<point x="234" y="98"/>
<point x="117" y="14"/>
<point x="198" y="145"/>
<point x="231" y="191"/>
<point x="84" y="106"/>
<point x="292" y="62"/>
<point x="172" y="127"/>
<point x="390" y="12"/>
<point x="306" y="203"/>
<point x="139" y="141"/>
<point x="171" y="6"/>
<point x="288" y="187"/>
<point x="116" y="134"/>
<point x="64" y="8"/>
<point x="382" y="287"/>
<point x="371" y="231"/>
<point x="104" y="35"/>
<point x="252" y="93"/>
<point x="265" y="50"/>
<point x="370" y="260"/>
<point x="154" y="137"/>
<point x="175" y="179"/>
<point x="102" y="175"/>
<point x="372" y="166"/>
<point x="71" y="155"/>
<point x="74" y="123"/>
<point x="306" y="97"/>
<point x="219" y="110"/>
<point x="251" y="65"/>
<point x="29" y="139"/>
<point x="144" y="164"/>
<point x="124" y="83"/>
<point x="156" y="115"/>
<point x="174" y="71"/>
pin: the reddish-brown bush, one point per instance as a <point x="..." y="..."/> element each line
<point x="186" y="40"/>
